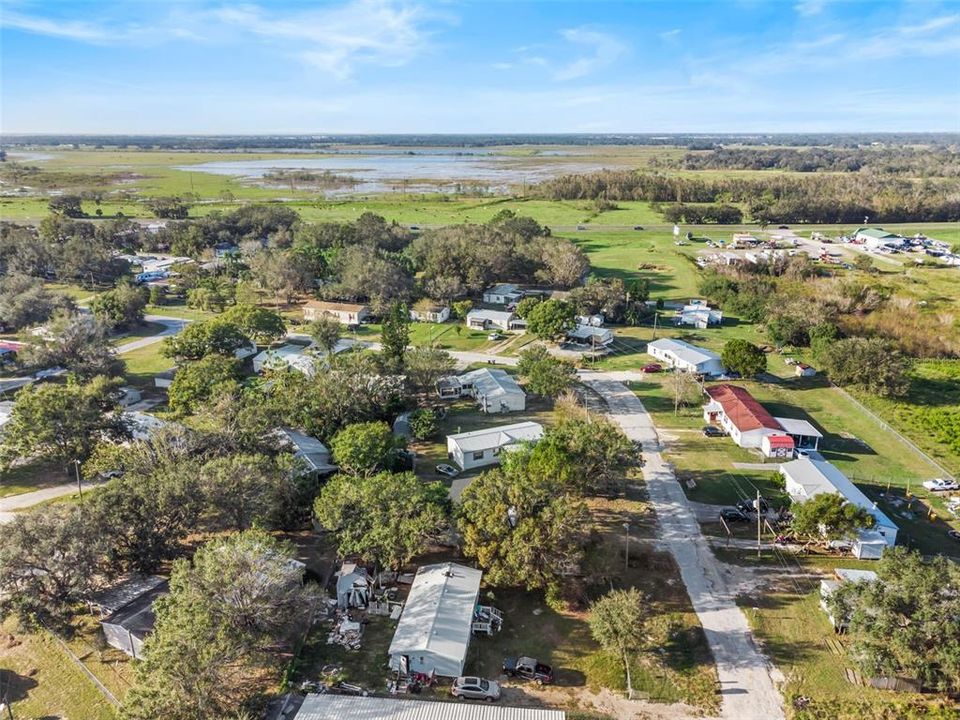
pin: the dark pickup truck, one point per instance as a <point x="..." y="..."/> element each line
<point x="529" y="669"/>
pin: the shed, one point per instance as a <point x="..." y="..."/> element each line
<point x="777" y="446"/>
<point x="126" y="611"/>
<point x="435" y="627"/>
<point x="483" y="447"/>
<point x="340" y="707"/>
<point x="353" y="587"/>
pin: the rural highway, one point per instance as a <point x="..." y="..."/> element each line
<point x="747" y="686"/>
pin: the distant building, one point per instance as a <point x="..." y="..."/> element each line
<point x="502" y="294"/>
<point x="308" y="450"/>
<point x="877" y="238"/>
<point x="295" y="357"/>
<point x="483" y="447"/>
<point x="499" y="319"/>
<point x="344" y="313"/>
<point x="686" y="357"/>
<point x="591" y="335"/>
<point x="699" y="315"/>
<point x="430" y="311"/>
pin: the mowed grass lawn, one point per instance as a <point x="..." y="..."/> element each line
<point x="31" y="476"/>
<point x="144" y="363"/>
<point x="43" y="682"/>
<point x="795" y="633"/>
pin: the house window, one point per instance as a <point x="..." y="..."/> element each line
<point x="478" y="455"/>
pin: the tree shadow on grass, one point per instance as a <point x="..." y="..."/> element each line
<point x="15" y="687"/>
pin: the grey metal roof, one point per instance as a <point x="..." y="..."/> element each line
<point x="491" y="383"/>
<point x="818" y="476"/>
<point x="499" y="436"/>
<point x="684" y="350"/>
<point x="340" y="707"/>
<point x="438" y="614"/>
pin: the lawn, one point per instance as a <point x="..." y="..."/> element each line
<point x="44" y="682"/>
<point x="795" y="633"/>
<point x="144" y="363"/>
<point x="31" y="476"/>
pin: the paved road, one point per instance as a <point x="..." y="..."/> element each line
<point x="171" y="326"/>
<point x="747" y="687"/>
<point x="10" y="505"/>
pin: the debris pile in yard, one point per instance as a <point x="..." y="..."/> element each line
<point x="345" y="632"/>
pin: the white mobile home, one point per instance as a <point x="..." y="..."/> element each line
<point x="806" y="478"/>
<point x="479" y="448"/>
<point x="486" y="319"/>
<point x="428" y="311"/>
<point x="433" y="634"/>
<point x="295" y="357"/>
<point x="339" y="707"/>
<point x="344" y="313"/>
<point x="686" y="357"/>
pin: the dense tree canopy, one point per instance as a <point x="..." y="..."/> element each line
<point x="743" y="357"/>
<point x="828" y="516"/>
<point x="544" y="374"/>
<point x="78" y="343"/>
<point x="551" y="319"/>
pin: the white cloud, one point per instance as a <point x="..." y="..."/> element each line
<point x="335" y="39"/>
<point x="809" y="8"/>
<point x="670" y="34"/>
<point x="931" y="25"/>
<point x="604" y="50"/>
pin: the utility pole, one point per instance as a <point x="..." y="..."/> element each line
<point x="626" y="548"/>
<point x="758" y="523"/>
<point x="76" y="466"/>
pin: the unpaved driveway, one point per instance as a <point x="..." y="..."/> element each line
<point x="747" y="687"/>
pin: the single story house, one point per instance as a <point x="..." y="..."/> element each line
<point x="591" y="335"/>
<point x="126" y="611"/>
<point x="804" y="478"/>
<point x="829" y="587"/>
<point x="311" y="452"/>
<point x="502" y="294"/>
<point x="295" y="357"/>
<point x="699" y="315"/>
<point x="479" y="448"/>
<point x="750" y="425"/>
<point x="494" y="390"/>
<point x="344" y="313"/>
<point x="434" y="631"/>
<point x="338" y="707"/>
<point x="429" y="311"/>
<point x="686" y="357"/>
<point x="500" y="319"/>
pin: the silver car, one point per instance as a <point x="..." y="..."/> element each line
<point x="475" y="688"/>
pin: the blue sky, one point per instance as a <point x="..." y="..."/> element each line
<point x="370" y="66"/>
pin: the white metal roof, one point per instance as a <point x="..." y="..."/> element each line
<point x="501" y="289"/>
<point x="818" y="476"/>
<point x="495" y="437"/>
<point x="502" y="316"/>
<point x="339" y="707"/>
<point x="438" y="614"/>
<point x="491" y="383"/>
<point x="588" y="332"/>
<point x="794" y="426"/>
<point x="313" y="452"/>
<point x="684" y="350"/>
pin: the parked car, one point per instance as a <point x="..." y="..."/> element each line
<point x="783" y="227"/>
<point x="954" y="534"/>
<point x="749" y="506"/>
<point x="494" y="336"/>
<point x="638" y="227"/>
<point x="448" y="470"/>
<point x="652" y="368"/>
<point x="475" y="688"/>
<point x="528" y="668"/>
<point x="711" y="431"/>
<point x="733" y="515"/>
<point x="940" y="485"/>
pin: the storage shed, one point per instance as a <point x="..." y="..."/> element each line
<point x="433" y="634"/>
